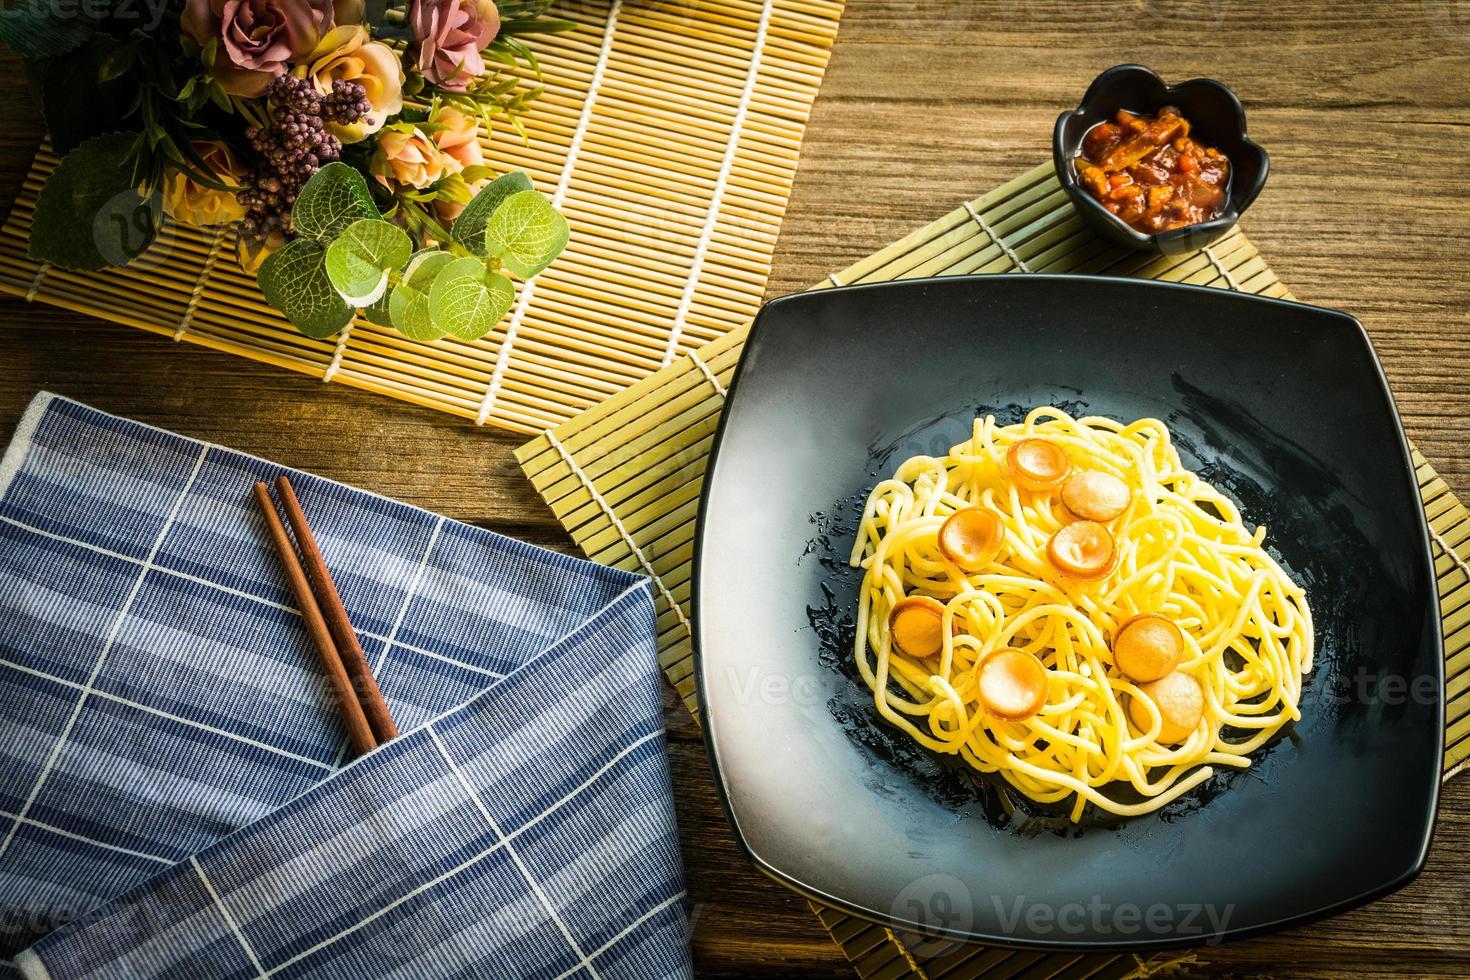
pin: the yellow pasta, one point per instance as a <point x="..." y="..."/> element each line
<point x="1182" y="552"/>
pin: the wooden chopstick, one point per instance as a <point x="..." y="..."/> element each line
<point x="348" y="646"/>
<point x="358" y="729"/>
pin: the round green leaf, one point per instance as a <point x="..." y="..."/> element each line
<point x="379" y="311"/>
<point x="425" y="266"/>
<point x="469" y="227"/>
<point x="294" y="281"/>
<point x="409" y="308"/>
<point x="358" y="262"/>
<point x="526" y="233"/>
<point x="468" y="299"/>
<point x="332" y="199"/>
<point x="419" y="273"/>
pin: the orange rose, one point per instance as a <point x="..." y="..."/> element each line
<point x="347" y="54"/>
<point x="187" y="201"/>
<point x="251" y="252"/>
<point x="407" y="157"/>
<point x="454" y="193"/>
<point x="459" y="139"/>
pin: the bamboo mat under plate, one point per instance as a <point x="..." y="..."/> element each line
<point x="625" y="477"/>
<point x="668" y="134"/>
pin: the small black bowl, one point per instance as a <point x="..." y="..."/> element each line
<point x="1215" y="116"/>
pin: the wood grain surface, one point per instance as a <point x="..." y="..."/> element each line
<point x="1364" y="108"/>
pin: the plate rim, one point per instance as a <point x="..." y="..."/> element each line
<point x="1424" y="554"/>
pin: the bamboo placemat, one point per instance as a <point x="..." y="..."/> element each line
<point x="668" y="134"/>
<point x="625" y="477"/>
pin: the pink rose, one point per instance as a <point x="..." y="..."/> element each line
<point x="254" y="40"/>
<point x="449" y="35"/>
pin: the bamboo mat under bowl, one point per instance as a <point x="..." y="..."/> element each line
<point x="625" y="478"/>
<point x="668" y="134"/>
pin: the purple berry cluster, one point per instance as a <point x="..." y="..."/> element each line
<point x="293" y="146"/>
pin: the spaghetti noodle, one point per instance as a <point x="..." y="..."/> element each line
<point x="1168" y="641"/>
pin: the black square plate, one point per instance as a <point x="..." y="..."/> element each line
<point x="1282" y="405"/>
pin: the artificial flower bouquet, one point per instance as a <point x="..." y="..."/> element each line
<point x="341" y="138"/>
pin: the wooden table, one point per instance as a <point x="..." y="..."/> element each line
<point x="1365" y="109"/>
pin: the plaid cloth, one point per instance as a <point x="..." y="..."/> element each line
<point x="171" y="797"/>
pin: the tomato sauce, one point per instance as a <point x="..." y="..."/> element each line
<point x="1149" y="172"/>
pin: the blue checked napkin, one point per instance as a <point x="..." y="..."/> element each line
<point x="172" y="795"/>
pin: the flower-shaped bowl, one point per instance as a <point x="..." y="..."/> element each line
<point x="1216" y="118"/>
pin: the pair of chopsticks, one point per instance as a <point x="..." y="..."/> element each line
<point x="369" y="723"/>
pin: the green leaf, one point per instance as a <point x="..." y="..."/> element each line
<point x="198" y="96"/>
<point x="408" y="302"/>
<point x="89" y="215"/>
<point x="522" y="9"/>
<point x="221" y="99"/>
<point x="35" y="70"/>
<point x="418" y="276"/>
<point x="501" y="54"/>
<point x="118" y="62"/>
<point x="34" y="28"/>
<point x="425" y="267"/>
<point x="546" y="25"/>
<point x="526" y="233"/>
<point x="526" y="54"/>
<point x="332" y="199"/>
<point x="468" y="300"/>
<point x="469" y="227"/>
<point x="78" y="106"/>
<point x="294" y="281"/>
<point x="378" y="312"/>
<point x="409" y="309"/>
<point x="359" y="261"/>
<point x="157" y="67"/>
<point x="188" y="160"/>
